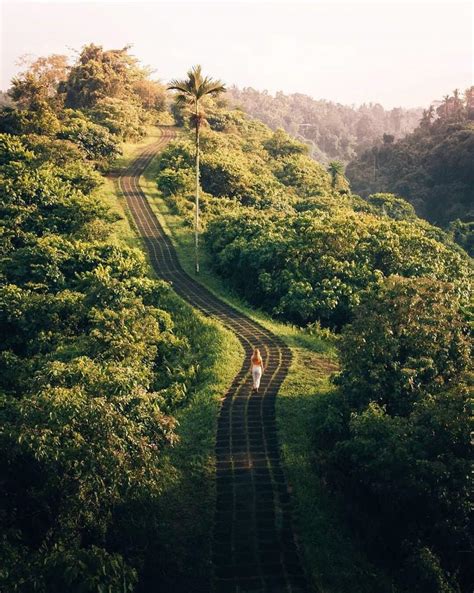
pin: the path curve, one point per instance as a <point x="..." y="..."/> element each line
<point x="254" y="547"/>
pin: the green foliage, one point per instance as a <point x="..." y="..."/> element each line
<point x="97" y="358"/>
<point x="195" y="87"/>
<point x="101" y="74"/>
<point x="407" y="340"/>
<point x="307" y="177"/>
<point x="36" y="200"/>
<point x="176" y="181"/>
<point x="463" y="234"/>
<point x="431" y="167"/>
<point x="288" y="234"/>
<point x="224" y="175"/>
<point x="95" y="140"/>
<point x="38" y="120"/>
<point x="176" y="173"/>
<point x="394" y="440"/>
<point x="314" y="265"/>
<point x="336" y="170"/>
<point x="335" y="131"/>
<point x="391" y="206"/>
<point x="281" y="145"/>
<point x="124" y="119"/>
<point x="229" y="173"/>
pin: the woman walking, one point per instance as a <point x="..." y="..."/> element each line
<point x="256" y="366"/>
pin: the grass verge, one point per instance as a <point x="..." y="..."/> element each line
<point x="180" y="558"/>
<point x="331" y="552"/>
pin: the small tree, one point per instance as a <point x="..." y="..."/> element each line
<point x="336" y="170"/>
<point x="408" y="341"/>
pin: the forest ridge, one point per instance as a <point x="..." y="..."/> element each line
<point x="110" y="385"/>
<point x="333" y="131"/>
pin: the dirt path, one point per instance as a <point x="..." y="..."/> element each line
<point x="254" y="548"/>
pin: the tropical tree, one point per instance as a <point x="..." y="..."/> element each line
<point x="191" y="91"/>
<point x="446" y="102"/>
<point x="457" y="103"/>
<point x="336" y="170"/>
<point x="101" y="74"/>
<point x="39" y="82"/>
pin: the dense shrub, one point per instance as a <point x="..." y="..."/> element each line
<point x="95" y="140"/>
<point x="394" y="440"/>
<point x="93" y="365"/>
<point x="40" y="120"/>
<point x="124" y="119"/>
<point x="310" y="266"/>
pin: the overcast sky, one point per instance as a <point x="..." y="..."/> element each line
<point x="352" y="52"/>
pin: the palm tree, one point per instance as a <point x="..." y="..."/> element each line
<point x="191" y="91"/>
<point x="335" y="169"/>
<point x="447" y="100"/>
<point x="457" y="103"/>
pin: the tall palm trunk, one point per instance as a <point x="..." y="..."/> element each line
<point x="196" y="213"/>
<point x="190" y="91"/>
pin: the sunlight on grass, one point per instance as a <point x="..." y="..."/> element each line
<point x="330" y="551"/>
<point x="188" y="498"/>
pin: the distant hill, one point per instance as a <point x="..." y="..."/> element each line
<point x="432" y="167"/>
<point x="334" y="131"/>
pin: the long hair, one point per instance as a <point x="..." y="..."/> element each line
<point x="256" y="356"/>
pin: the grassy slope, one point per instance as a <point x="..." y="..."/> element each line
<point x="331" y="555"/>
<point x="182" y="558"/>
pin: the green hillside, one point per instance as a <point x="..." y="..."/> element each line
<point x="431" y="167"/>
<point x="332" y="130"/>
<point x="391" y="441"/>
<point x="288" y="237"/>
<point x="110" y="384"/>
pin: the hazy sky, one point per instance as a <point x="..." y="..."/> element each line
<point x="394" y="53"/>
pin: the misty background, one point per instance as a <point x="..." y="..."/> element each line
<point x="397" y="54"/>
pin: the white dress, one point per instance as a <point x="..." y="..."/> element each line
<point x="256" y="375"/>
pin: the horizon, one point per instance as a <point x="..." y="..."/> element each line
<point x="347" y="53"/>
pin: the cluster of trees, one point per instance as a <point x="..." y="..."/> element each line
<point x="95" y="358"/>
<point x="287" y="233"/>
<point x="306" y="267"/>
<point x="103" y="98"/>
<point x="332" y="130"/>
<point x="393" y="438"/>
<point x="431" y="167"/>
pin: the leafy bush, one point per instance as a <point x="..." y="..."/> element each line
<point x="281" y="145"/>
<point x="95" y="362"/>
<point x="40" y="120"/>
<point x="310" y="266"/>
<point x="394" y="440"/>
<point x="389" y="205"/>
<point x="124" y="119"/>
<point x="96" y="141"/>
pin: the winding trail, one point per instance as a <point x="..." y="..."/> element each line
<point x="254" y="548"/>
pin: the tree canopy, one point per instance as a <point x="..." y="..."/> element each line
<point x="431" y="167"/>
<point x="331" y="131"/>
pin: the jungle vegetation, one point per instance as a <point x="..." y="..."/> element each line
<point x="391" y="439"/>
<point x="332" y="131"/>
<point x="431" y="167"/>
<point x="99" y="359"/>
